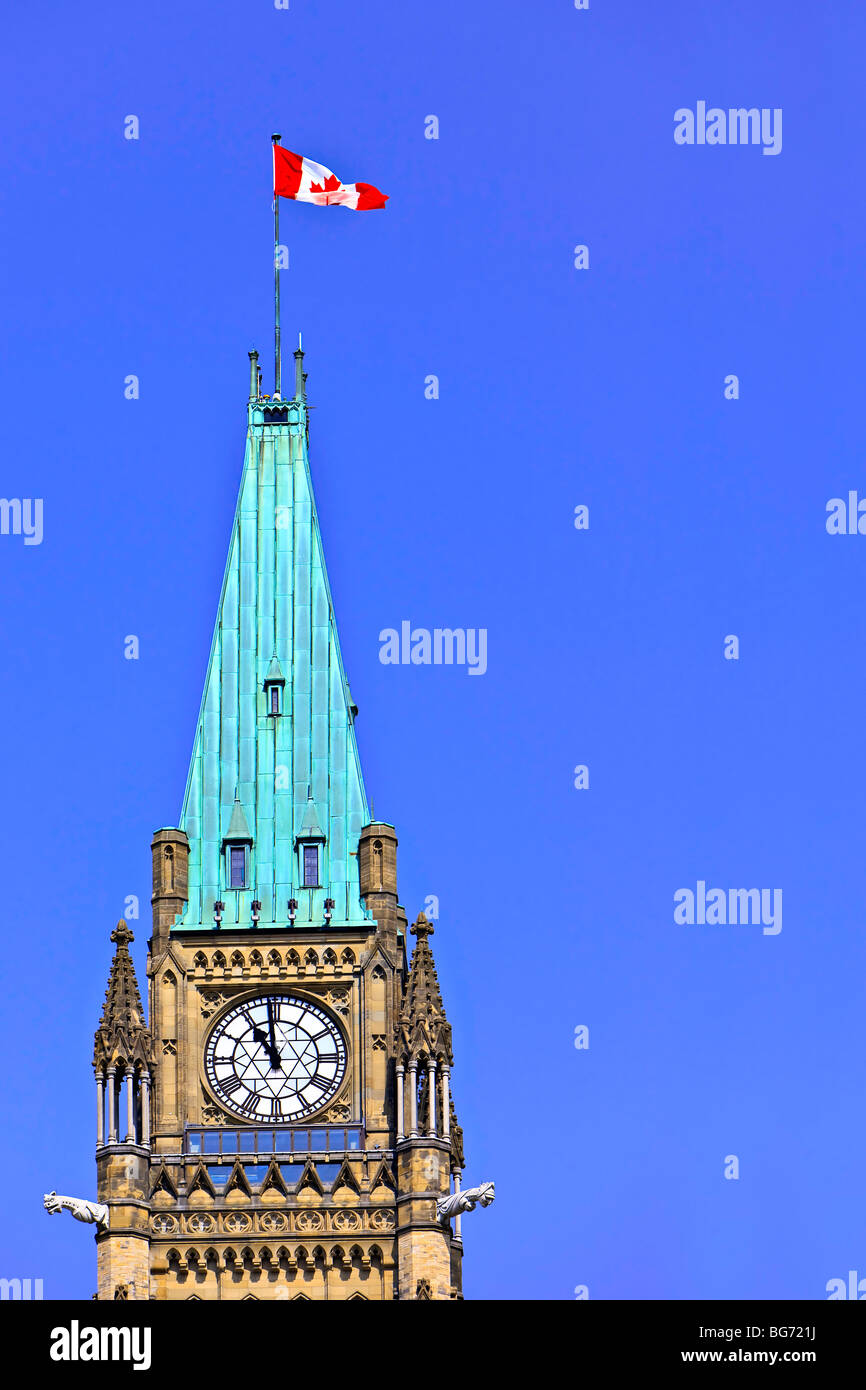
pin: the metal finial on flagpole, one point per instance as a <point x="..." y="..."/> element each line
<point x="275" y="140"/>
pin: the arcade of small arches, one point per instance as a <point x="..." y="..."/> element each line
<point x="216" y="963"/>
<point x="278" y="1271"/>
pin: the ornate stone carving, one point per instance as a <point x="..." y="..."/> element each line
<point x="338" y="1114"/>
<point x="163" y="1225"/>
<point x="211" y="1000"/>
<point x="345" y="1221"/>
<point x="273" y="1221"/>
<point x="308" y="1221"/>
<point x="381" y="1220"/>
<point x="237" y="1223"/>
<point x="200" y="1223"/>
<point x="92" y="1213"/>
<point x="211" y="1115"/>
<point x="466" y="1200"/>
<point x="339" y="1000"/>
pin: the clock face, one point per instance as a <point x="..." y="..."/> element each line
<point x="275" y="1059"/>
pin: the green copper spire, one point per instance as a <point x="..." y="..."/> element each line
<point x="257" y="775"/>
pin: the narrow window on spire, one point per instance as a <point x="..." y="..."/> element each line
<point x="311" y="866"/>
<point x="377" y="862"/>
<point x="237" y="867"/>
<point x="273" y="687"/>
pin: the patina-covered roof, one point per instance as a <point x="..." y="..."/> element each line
<point x="275" y="615"/>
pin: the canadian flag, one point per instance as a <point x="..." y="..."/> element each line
<point x="309" y="182"/>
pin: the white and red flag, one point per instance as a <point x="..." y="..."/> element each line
<point x="309" y="182"/>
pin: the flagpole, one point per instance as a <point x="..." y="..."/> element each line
<point x="275" y="140"/>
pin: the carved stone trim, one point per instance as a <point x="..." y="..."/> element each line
<point x="381" y="1219"/>
<point x="237" y="1223"/>
<point x="211" y="1000"/>
<point x="308" y="1221"/>
<point x="272" y="1222"/>
<point x="345" y="1222"/>
<point x="201" y="1223"/>
<point x="163" y="1224"/>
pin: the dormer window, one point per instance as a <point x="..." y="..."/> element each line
<point x="310" y="845"/>
<point x="273" y="685"/>
<point x="311" y="866"/>
<point x="237" y="866"/>
<point x="237" y="848"/>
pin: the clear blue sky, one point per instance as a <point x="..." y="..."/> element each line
<point x="605" y="647"/>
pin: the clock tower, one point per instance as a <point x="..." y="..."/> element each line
<point x="280" y="1126"/>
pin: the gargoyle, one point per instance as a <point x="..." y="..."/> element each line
<point x="93" y="1213"/>
<point x="466" y="1200"/>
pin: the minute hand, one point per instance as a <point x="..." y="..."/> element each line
<point x="276" y="1060"/>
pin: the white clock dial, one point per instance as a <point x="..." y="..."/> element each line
<point x="275" y="1059"/>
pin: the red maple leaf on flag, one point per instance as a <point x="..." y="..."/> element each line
<point x="330" y="185"/>
<point x="308" y="182"/>
<point x="329" y="192"/>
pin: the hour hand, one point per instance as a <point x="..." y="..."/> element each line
<point x="273" y="1055"/>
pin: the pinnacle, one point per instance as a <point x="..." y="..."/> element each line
<point x="421" y="927"/>
<point x="423" y="1026"/>
<point x="122" y="933"/>
<point x="122" y="1030"/>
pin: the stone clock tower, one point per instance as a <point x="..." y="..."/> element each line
<point x="282" y="1126"/>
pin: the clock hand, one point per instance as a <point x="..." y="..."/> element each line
<point x="262" y="1039"/>
<point x="273" y="1049"/>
